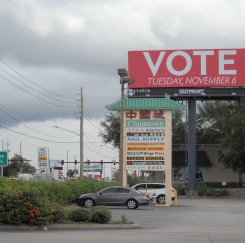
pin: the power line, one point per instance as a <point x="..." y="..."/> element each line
<point x="35" y="89"/>
<point x="34" y="95"/>
<point x="35" y="137"/>
<point x="31" y="128"/>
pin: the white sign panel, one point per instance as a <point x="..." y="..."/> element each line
<point x="146" y="167"/>
<point x="42" y="152"/>
<point x="42" y="164"/>
<point x="42" y="157"/>
<point x="145" y="129"/>
<point x="55" y="163"/>
<point x="92" y="167"/>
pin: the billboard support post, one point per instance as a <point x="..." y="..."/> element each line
<point x="192" y="145"/>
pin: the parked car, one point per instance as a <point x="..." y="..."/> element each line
<point x="151" y="188"/>
<point x="114" y="196"/>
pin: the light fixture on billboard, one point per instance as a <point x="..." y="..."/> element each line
<point x="233" y="93"/>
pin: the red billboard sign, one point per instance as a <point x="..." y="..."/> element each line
<point x="187" y="68"/>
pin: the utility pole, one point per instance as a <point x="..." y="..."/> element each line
<point x="81" y="136"/>
<point x="67" y="165"/>
<point x="20" y="149"/>
<point x="2" y="150"/>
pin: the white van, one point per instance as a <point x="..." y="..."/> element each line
<point x="151" y="188"/>
<point x="25" y="177"/>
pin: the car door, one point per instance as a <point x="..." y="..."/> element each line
<point x="105" y="197"/>
<point x="150" y="189"/>
<point x="121" y="195"/>
<point x="141" y="188"/>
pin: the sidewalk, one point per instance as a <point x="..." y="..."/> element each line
<point x="68" y="226"/>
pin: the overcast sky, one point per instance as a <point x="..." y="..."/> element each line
<point x="49" y="49"/>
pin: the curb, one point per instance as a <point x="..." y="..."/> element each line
<point x="68" y="226"/>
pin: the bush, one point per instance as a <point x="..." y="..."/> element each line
<point x="80" y="215"/>
<point x="181" y="188"/>
<point x="203" y="190"/>
<point x="97" y="208"/>
<point x="59" y="213"/>
<point x="24" y="206"/>
<point x="101" y="215"/>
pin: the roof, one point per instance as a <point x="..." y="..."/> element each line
<point x="179" y="159"/>
<point x="146" y="104"/>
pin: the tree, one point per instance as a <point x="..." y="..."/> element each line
<point x="179" y="127"/>
<point x="17" y="164"/>
<point x="111" y="129"/>
<point x="232" y="147"/>
<point x="70" y="173"/>
<point x="210" y="125"/>
<point x="131" y="180"/>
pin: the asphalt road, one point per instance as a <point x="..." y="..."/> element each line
<point x="192" y="221"/>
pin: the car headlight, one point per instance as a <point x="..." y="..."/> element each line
<point x="81" y="196"/>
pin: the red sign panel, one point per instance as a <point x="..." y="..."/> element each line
<point x="187" y="68"/>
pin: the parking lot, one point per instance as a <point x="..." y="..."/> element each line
<point x="191" y="221"/>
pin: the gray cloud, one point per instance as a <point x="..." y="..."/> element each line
<point x="62" y="47"/>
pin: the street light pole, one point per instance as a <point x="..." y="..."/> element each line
<point x="122" y="163"/>
<point x="122" y="166"/>
<point x="81" y="136"/>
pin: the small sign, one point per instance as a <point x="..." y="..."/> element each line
<point x="223" y="183"/>
<point x="55" y="163"/>
<point x="42" y="164"/>
<point x="3" y="158"/>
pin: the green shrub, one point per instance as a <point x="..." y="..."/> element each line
<point x="204" y="190"/>
<point x="24" y="206"/>
<point x="59" y="213"/>
<point x="101" y="215"/>
<point x="97" y="208"/>
<point x="80" y="215"/>
<point x="181" y="188"/>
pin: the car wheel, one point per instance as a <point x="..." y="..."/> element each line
<point x="161" y="199"/>
<point x="132" y="204"/>
<point x="88" y="203"/>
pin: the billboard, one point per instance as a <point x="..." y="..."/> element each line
<point x="187" y="68"/>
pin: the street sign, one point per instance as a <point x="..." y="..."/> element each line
<point x="42" y="157"/>
<point x="92" y="167"/>
<point x="55" y="163"/>
<point x="42" y="164"/>
<point x="3" y="158"/>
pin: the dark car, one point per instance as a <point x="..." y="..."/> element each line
<point x="114" y="196"/>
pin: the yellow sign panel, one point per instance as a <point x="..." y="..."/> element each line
<point x="146" y="148"/>
<point x="42" y="158"/>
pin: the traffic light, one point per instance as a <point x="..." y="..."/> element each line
<point x="62" y="162"/>
<point x="50" y="170"/>
<point x="88" y="161"/>
<point x="75" y="162"/>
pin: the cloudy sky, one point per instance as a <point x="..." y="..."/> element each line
<point x="49" y="50"/>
